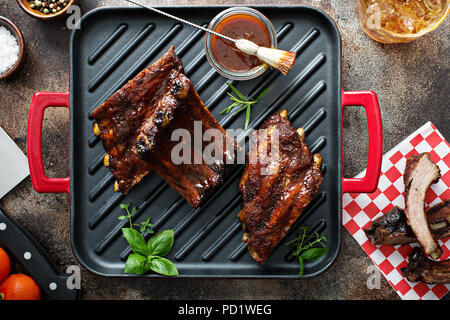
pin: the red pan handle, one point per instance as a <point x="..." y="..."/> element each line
<point x="369" y="100"/>
<point x="41" y="101"/>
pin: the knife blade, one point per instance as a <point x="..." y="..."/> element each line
<point x="13" y="164"/>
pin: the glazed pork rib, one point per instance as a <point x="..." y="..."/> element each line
<point x="420" y="268"/>
<point x="392" y="228"/>
<point x="420" y="173"/>
<point x="182" y="108"/>
<point x="118" y="120"/>
<point x="276" y="190"/>
<point x="137" y="123"/>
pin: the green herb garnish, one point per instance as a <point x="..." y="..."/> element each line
<point x="241" y="102"/>
<point x="148" y="255"/>
<point x="144" y="226"/>
<point x="304" y="247"/>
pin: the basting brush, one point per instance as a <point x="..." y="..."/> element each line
<point x="281" y="60"/>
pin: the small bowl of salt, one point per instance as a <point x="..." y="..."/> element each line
<point x="11" y="48"/>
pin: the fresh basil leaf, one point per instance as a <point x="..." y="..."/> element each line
<point x="300" y="260"/>
<point x="125" y="206"/>
<point x="314" y="253"/>
<point x="162" y="266"/>
<point x="133" y="211"/>
<point x="122" y="217"/>
<point x="136" y="241"/>
<point x="136" y="264"/>
<point x="161" y="244"/>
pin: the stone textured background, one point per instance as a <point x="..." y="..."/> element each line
<point x="412" y="83"/>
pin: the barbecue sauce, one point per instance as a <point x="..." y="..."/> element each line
<point x="239" y="26"/>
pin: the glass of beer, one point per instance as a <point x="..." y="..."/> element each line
<point x="394" y="21"/>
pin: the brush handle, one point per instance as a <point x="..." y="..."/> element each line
<point x="181" y="20"/>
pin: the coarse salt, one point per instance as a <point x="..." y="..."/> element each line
<point x="9" y="50"/>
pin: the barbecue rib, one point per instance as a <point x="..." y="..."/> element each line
<point x="118" y="120"/>
<point x="182" y="108"/>
<point x="420" y="173"/>
<point x="136" y="125"/>
<point x="276" y="190"/>
<point x="392" y="228"/>
<point x="420" y="268"/>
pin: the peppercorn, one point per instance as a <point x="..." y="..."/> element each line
<point x="49" y="6"/>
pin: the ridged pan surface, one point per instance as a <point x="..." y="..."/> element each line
<point x="111" y="47"/>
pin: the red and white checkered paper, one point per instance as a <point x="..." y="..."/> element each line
<point x="360" y="209"/>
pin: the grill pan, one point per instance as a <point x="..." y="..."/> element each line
<point x="112" y="46"/>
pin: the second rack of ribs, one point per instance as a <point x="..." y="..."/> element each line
<point x="136" y="125"/>
<point x="272" y="202"/>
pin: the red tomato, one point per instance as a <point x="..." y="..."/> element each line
<point x="5" y="265"/>
<point x="20" y="287"/>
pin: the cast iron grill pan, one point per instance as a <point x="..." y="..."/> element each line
<point x="111" y="47"/>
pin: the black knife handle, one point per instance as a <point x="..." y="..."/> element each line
<point x="34" y="259"/>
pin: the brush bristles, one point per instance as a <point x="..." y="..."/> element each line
<point x="286" y="62"/>
<point x="279" y="59"/>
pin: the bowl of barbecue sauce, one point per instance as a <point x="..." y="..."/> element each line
<point x="238" y="23"/>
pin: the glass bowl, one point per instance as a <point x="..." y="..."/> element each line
<point x="25" y="5"/>
<point x="232" y="74"/>
<point x="11" y="27"/>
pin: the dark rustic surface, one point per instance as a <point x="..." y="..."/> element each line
<point x="412" y="85"/>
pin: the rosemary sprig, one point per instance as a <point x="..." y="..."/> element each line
<point x="241" y="102"/>
<point x="304" y="247"/>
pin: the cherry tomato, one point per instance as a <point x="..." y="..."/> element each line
<point x="20" y="287"/>
<point x="5" y="265"/>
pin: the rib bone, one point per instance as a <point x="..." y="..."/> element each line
<point x="422" y="269"/>
<point x="420" y="173"/>
<point x="391" y="228"/>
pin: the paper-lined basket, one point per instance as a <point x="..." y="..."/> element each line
<point x="359" y="210"/>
